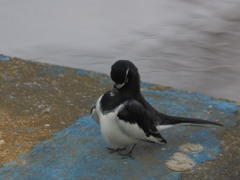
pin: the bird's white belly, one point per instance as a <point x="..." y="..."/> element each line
<point x="112" y="133"/>
<point x="110" y="129"/>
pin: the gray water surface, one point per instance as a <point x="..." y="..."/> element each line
<point x="188" y="44"/>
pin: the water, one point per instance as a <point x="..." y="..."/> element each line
<point x="188" y="44"/>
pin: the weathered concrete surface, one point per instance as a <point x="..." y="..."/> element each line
<point x="37" y="100"/>
<point x="46" y="131"/>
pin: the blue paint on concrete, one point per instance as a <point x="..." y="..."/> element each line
<point x="225" y="107"/>
<point x="146" y="85"/>
<point x="10" y="97"/>
<point x="58" y="71"/>
<point x="4" y="58"/>
<point x="55" y="71"/>
<point x="79" y="151"/>
<point x="105" y="80"/>
<point x="211" y="147"/>
<point x="84" y="72"/>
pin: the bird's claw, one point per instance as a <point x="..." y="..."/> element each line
<point x="124" y="155"/>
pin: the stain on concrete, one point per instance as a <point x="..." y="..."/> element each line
<point x="188" y="147"/>
<point x="39" y="105"/>
<point x="180" y="162"/>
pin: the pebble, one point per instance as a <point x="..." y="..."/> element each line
<point x="63" y="123"/>
<point x="2" y="142"/>
<point x="47" y="110"/>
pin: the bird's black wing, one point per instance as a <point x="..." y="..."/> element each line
<point x="135" y="121"/>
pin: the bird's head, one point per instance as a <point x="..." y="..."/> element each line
<point x="125" y="75"/>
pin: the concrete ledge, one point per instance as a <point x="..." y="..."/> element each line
<point x="46" y="131"/>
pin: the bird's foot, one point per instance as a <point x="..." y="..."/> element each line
<point x="121" y="153"/>
<point x="111" y="150"/>
<point x="128" y="154"/>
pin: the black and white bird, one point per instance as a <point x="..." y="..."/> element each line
<point x="126" y="118"/>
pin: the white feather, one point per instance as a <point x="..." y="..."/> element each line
<point x="163" y="127"/>
<point x="110" y="129"/>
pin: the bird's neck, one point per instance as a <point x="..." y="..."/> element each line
<point x="132" y="88"/>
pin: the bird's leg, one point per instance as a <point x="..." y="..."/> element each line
<point x="111" y="150"/>
<point x="128" y="154"/>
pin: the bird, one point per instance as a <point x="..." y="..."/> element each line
<point x="125" y="116"/>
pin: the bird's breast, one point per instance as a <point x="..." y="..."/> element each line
<point x="111" y="131"/>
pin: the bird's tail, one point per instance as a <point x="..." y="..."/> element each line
<point x="169" y="121"/>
